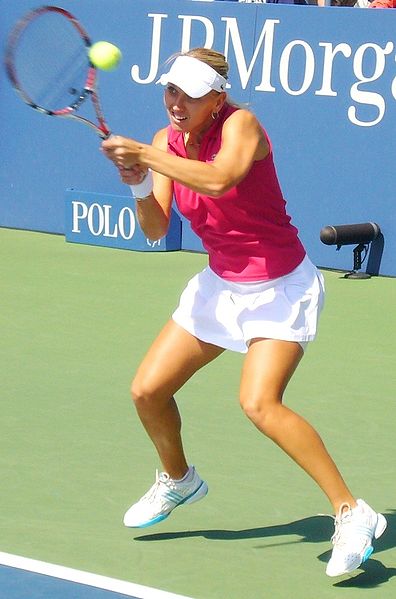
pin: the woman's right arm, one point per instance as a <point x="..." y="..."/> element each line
<point x="154" y="211"/>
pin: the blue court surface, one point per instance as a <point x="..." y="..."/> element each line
<point x="23" y="578"/>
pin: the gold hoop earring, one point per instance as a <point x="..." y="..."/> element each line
<point x="215" y="115"/>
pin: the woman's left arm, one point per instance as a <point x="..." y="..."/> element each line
<point x="242" y="142"/>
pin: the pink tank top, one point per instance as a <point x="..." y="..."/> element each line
<point x="246" y="232"/>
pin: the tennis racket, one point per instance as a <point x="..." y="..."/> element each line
<point x="47" y="63"/>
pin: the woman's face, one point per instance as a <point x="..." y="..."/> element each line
<point x="188" y="114"/>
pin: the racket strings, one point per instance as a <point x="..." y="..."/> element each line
<point x="47" y="63"/>
<point x="51" y="63"/>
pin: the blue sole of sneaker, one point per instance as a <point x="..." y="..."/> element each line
<point x="151" y="522"/>
<point x="198" y="494"/>
<point x="367" y="554"/>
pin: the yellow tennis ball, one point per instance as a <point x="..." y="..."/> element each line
<point x="105" y="56"/>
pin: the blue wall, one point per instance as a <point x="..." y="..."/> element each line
<point x="322" y="81"/>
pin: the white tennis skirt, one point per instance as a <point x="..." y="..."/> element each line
<point x="230" y="315"/>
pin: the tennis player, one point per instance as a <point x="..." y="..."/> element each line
<point x="260" y="295"/>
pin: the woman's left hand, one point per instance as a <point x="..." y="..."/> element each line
<point x="133" y="175"/>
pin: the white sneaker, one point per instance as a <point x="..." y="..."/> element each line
<point x="354" y="531"/>
<point x="163" y="497"/>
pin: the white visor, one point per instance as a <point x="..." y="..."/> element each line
<point x="194" y="77"/>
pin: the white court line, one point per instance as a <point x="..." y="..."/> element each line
<point x="93" y="580"/>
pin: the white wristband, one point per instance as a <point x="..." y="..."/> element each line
<point x="142" y="190"/>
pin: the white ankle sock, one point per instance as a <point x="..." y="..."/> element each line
<point x="186" y="478"/>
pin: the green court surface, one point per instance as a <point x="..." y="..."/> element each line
<point x="75" y="321"/>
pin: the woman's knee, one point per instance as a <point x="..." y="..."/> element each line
<point x="262" y="411"/>
<point x="148" y="395"/>
<point x="142" y="393"/>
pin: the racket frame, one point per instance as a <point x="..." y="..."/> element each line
<point x="90" y="87"/>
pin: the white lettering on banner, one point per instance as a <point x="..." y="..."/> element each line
<point x="152" y="244"/>
<point x="155" y="51"/>
<point x="102" y="221"/>
<point x="285" y="63"/>
<point x="232" y="34"/>
<point x="186" y="31"/>
<point x="322" y="60"/>
<point x="79" y="212"/>
<point x="366" y="97"/>
<point x="126" y="216"/>
<point x="393" y="88"/>
<point x="329" y="55"/>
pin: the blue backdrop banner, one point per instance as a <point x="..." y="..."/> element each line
<point x="110" y="220"/>
<point x="321" y="80"/>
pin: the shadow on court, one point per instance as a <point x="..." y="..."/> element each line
<point x="315" y="529"/>
<point x="374" y="574"/>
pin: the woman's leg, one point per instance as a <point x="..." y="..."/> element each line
<point x="267" y="370"/>
<point x="172" y="359"/>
